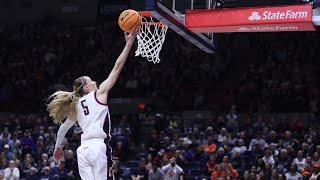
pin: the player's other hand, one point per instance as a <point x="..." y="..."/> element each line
<point x="58" y="155"/>
<point x="132" y="36"/>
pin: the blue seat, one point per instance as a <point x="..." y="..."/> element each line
<point x="126" y="171"/>
<point x="190" y="178"/>
<point x="240" y="172"/>
<point x="205" y="177"/>
<point x="132" y="164"/>
<point x="126" y="178"/>
<point x="191" y="166"/>
<point x="196" y="172"/>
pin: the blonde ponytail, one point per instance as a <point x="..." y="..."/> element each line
<point x="63" y="103"/>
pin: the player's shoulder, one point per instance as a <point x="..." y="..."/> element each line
<point x="90" y="94"/>
<point x="87" y="98"/>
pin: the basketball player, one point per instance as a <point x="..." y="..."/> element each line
<point x="87" y="104"/>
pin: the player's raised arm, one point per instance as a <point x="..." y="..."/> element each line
<point x="113" y="76"/>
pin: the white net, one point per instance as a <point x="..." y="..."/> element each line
<point x="150" y="39"/>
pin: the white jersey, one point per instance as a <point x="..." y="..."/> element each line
<point x="93" y="117"/>
<point x="172" y="173"/>
<point x="314" y="176"/>
<point x="295" y="176"/>
<point x="300" y="164"/>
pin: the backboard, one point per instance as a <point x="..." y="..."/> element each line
<point x="197" y="20"/>
<point x="172" y="13"/>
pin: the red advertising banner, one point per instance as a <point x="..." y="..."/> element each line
<point x="263" y="19"/>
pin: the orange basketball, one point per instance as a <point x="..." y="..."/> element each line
<point x="129" y="19"/>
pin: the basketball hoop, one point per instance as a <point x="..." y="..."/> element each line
<point x="150" y="38"/>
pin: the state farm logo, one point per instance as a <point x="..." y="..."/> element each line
<point x="269" y="15"/>
<point x="254" y="16"/>
<point x="269" y="28"/>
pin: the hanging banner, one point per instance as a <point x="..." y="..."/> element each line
<point x="110" y="9"/>
<point x="70" y="9"/>
<point x="264" y="19"/>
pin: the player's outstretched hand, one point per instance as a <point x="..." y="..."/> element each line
<point x="132" y="36"/>
<point x="58" y="155"/>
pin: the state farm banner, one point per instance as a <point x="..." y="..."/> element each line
<point x="110" y="9"/>
<point x="263" y="19"/>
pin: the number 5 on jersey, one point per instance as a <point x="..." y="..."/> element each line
<point x="85" y="108"/>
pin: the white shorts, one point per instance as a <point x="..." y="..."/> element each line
<point x="93" y="161"/>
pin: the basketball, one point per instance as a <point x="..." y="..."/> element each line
<point x="129" y="19"/>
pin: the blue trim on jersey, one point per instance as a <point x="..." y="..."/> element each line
<point x="106" y="125"/>
<point x="106" y="129"/>
<point x="110" y="162"/>
<point x="95" y="97"/>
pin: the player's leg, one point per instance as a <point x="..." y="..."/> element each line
<point x="100" y="166"/>
<point x="85" y="167"/>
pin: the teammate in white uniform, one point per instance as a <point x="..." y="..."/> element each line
<point x="88" y="105"/>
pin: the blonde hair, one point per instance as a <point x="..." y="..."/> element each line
<point x="64" y="103"/>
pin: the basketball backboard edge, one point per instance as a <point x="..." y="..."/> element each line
<point x="176" y="23"/>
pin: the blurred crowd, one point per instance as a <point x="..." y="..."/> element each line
<point x="223" y="146"/>
<point x="283" y="75"/>
<point x="27" y="144"/>
<point x="38" y="59"/>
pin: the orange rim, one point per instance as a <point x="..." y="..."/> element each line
<point x="145" y="13"/>
<point x="148" y="14"/>
<point x="154" y="24"/>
